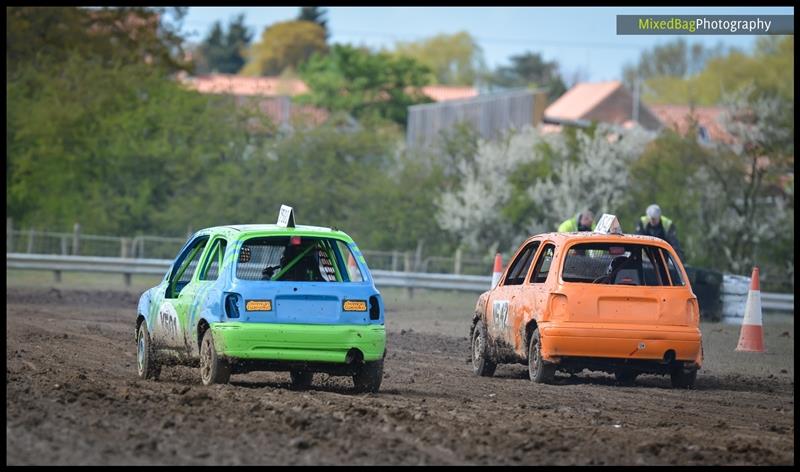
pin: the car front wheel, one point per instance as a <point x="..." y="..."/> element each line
<point x="146" y="364"/>
<point x="538" y="370"/>
<point x="213" y="369"/>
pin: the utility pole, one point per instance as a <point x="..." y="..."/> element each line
<point x="635" y="111"/>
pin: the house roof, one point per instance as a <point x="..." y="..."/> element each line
<point x="280" y="86"/>
<point x="580" y="100"/>
<point x="441" y="93"/>
<point x="677" y="117"/>
<point x="241" y="85"/>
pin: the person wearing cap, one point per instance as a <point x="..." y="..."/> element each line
<point x="654" y="224"/>
<point x="583" y="221"/>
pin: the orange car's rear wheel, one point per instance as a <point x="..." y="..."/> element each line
<point x="482" y="363"/>
<point x="538" y="370"/>
<point x="682" y="378"/>
<point x="626" y="377"/>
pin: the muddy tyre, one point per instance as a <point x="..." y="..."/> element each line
<point x="625" y="377"/>
<point x="682" y="378"/>
<point x="146" y="365"/>
<point x="213" y="369"/>
<point x="482" y="363"/>
<point x="538" y="370"/>
<point x="301" y="379"/>
<point x="369" y="377"/>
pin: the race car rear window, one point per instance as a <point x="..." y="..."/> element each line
<point x="296" y="259"/>
<point x="618" y="264"/>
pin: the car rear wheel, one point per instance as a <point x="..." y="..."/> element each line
<point x="625" y="377"/>
<point x="682" y="378"/>
<point x="301" y="379"/>
<point x="538" y="370"/>
<point x="482" y="363"/>
<point x="213" y="369"/>
<point x="369" y="377"/>
<point x="146" y="365"/>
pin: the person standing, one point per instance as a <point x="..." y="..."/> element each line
<point x="583" y="221"/>
<point x="655" y="224"/>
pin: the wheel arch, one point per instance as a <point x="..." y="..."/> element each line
<point x="139" y="320"/>
<point x="530" y="326"/>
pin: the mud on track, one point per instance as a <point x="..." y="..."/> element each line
<point x="73" y="398"/>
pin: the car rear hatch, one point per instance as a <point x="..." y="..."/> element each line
<point x="623" y="283"/>
<point x="293" y="279"/>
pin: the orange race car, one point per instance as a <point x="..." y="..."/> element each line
<point x="598" y="300"/>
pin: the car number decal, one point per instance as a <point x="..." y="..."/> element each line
<point x="500" y="313"/>
<point x="168" y="325"/>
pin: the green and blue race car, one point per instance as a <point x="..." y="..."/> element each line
<point x="265" y="297"/>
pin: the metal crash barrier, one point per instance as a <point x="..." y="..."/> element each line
<point x="734" y="288"/>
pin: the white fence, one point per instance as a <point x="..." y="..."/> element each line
<point x="31" y="241"/>
<point x="734" y="291"/>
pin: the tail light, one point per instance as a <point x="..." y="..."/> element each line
<point x="374" y="308"/>
<point x="692" y="311"/>
<point x="232" y="305"/>
<point x="558" y="307"/>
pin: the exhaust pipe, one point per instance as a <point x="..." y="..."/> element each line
<point x="354" y="357"/>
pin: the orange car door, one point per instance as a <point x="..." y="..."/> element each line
<point x="540" y="275"/>
<point x="504" y="322"/>
<point x="532" y="296"/>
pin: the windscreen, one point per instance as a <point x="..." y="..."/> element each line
<point x="296" y="259"/>
<point x="616" y="264"/>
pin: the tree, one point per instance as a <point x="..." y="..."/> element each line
<point x="528" y="182"/>
<point x="454" y="59"/>
<point x="530" y="70"/>
<point x="98" y="132"/>
<point x="224" y="52"/>
<point x="749" y="176"/>
<point x="365" y="84"/>
<point x="122" y="146"/>
<point x="663" y="175"/>
<point x="285" y="44"/>
<point x="46" y="36"/>
<point x="673" y="59"/>
<point x="769" y="68"/>
<point x="314" y="15"/>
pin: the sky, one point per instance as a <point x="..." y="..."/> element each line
<point x="582" y="40"/>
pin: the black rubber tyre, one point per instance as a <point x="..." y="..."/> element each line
<point x="538" y="370"/>
<point x="213" y="370"/>
<point x="146" y="365"/>
<point x="301" y="379"/>
<point x="626" y="377"/>
<point x="482" y="363"/>
<point x="682" y="378"/>
<point x="369" y="377"/>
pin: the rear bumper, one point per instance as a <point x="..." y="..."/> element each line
<point x="298" y="342"/>
<point x="620" y="341"/>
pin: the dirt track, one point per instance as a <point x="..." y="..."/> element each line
<point x="73" y="398"/>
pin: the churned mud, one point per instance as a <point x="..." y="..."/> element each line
<point x="72" y="397"/>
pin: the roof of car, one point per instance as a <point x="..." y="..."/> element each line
<point x="274" y="227"/>
<point x="241" y="230"/>
<point x="564" y="237"/>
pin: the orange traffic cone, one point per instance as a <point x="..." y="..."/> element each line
<point x="498" y="269"/>
<point x="751" y="338"/>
